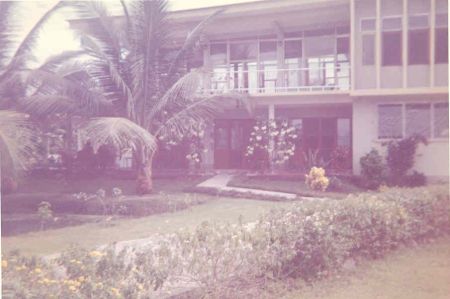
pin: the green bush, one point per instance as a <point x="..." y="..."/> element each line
<point x="400" y="159"/>
<point x="373" y="170"/>
<point x="310" y="240"/>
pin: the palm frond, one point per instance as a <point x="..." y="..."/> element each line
<point x="201" y="109"/>
<point x="18" y="143"/>
<point x="23" y="51"/>
<point x="178" y="95"/>
<point x="6" y="42"/>
<point x="191" y="39"/>
<point x="118" y="132"/>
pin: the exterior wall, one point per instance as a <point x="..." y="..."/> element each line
<point x="404" y="75"/>
<point x="432" y="160"/>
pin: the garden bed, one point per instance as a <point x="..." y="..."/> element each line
<point x="295" y="184"/>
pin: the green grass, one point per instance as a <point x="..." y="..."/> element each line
<point x="221" y="210"/>
<point x="290" y="186"/>
<point x="410" y="273"/>
<point x="128" y="186"/>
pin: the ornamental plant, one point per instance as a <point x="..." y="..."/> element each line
<point x="316" y="179"/>
<point x="45" y="212"/>
<point x="272" y="139"/>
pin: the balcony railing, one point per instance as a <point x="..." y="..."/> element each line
<point x="270" y="79"/>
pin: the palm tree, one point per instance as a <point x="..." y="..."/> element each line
<point x="17" y="139"/>
<point x="145" y="77"/>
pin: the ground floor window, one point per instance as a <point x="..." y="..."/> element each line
<point x="407" y="119"/>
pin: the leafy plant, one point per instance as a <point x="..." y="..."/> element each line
<point x="316" y="179"/>
<point x="45" y="212"/>
<point x="401" y="155"/>
<point x="274" y="140"/>
<point x="373" y="169"/>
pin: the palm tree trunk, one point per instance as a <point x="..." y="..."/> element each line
<point x="144" y="179"/>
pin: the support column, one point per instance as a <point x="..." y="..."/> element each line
<point x="378" y="44"/>
<point x="432" y="40"/>
<point x="405" y="44"/>
<point x="352" y="44"/>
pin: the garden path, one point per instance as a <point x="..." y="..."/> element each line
<point x="220" y="183"/>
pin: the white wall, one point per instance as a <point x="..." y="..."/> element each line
<point x="432" y="160"/>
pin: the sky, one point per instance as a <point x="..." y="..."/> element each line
<point x="57" y="36"/>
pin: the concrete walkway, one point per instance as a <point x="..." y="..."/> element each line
<point x="220" y="183"/>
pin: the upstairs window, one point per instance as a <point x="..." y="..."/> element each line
<point x="441" y="39"/>
<point x="390" y="121"/>
<point x="392" y="41"/>
<point x="418" y="40"/>
<point x="368" y="49"/>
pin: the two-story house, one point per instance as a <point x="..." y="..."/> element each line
<point x="347" y="73"/>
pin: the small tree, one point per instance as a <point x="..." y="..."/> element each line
<point x="274" y="140"/>
<point x="401" y="155"/>
<point x="373" y="169"/>
<point x="45" y="212"/>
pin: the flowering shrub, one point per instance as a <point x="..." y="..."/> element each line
<point x="272" y="139"/>
<point x="108" y="203"/>
<point x="373" y="169"/>
<point x="316" y="179"/>
<point x="45" y="212"/>
<point x="309" y="240"/>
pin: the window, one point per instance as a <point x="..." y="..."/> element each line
<point x="292" y="49"/>
<point x="418" y="45"/>
<point x="390" y="121"/>
<point x="368" y="49"/>
<point x="441" y="39"/>
<point x="392" y="48"/>
<point x="418" y="119"/>
<point x="218" y="54"/>
<point x="441" y="120"/>
<point x="243" y="51"/>
<point x="392" y="41"/>
<point x="368" y="25"/>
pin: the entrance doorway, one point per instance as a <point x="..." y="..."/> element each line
<point x="230" y="143"/>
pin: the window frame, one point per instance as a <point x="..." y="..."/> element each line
<point x="403" y="105"/>
<point x="391" y="30"/>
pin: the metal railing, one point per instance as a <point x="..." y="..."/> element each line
<point x="270" y="79"/>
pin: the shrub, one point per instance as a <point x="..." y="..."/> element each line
<point x="310" y="240"/>
<point x="316" y="179"/>
<point x="400" y="157"/>
<point x="416" y="179"/>
<point x="373" y="170"/>
<point x="45" y="212"/>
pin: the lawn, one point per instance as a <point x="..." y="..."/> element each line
<point x="292" y="186"/>
<point x="221" y="210"/>
<point x="420" y="272"/>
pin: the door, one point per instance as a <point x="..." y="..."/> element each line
<point x="231" y="140"/>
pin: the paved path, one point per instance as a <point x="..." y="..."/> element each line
<point x="220" y="182"/>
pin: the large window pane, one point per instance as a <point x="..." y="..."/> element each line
<point x="218" y="54"/>
<point x="368" y="49"/>
<point x="418" y="45"/>
<point x="441" y="51"/>
<point x="343" y="132"/>
<point x="418" y="119"/>
<point x="390" y="121"/>
<point x="268" y="50"/>
<point x="244" y="51"/>
<point x="441" y="120"/>
<point x="392" y="48"/>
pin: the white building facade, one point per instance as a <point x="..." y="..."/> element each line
<point x="347" y="73"/>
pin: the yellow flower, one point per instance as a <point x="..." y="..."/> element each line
<point x="140" y="287"/>
<point x="37" y="270"/>
<point x="96" y="253"/>
<point x="115" y="291"/>
<point x="72" y="288"/>
<point x="81" y="279"/>
<point x="4" y="264"/>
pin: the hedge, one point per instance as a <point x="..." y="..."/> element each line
<point x="309" y="240"/>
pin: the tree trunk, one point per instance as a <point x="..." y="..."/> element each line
<point x="144" y="179"/>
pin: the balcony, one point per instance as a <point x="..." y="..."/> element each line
<point x="319" y="77"/>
